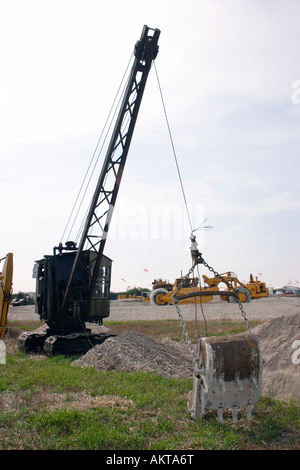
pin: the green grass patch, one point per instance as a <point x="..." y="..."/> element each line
<point x="134" y="411"/>
<point x="25" y="325"/>
<point x="172" y="329"/>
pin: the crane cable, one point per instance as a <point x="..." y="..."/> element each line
<point x="185" y="203"/>
<point x="174" y="152"/>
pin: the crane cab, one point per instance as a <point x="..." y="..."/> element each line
<point x="52" y="275"/>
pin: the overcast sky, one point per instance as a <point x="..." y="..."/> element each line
<point x="230" y="76"/>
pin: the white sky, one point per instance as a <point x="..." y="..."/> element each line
<point x="230" y="75"/>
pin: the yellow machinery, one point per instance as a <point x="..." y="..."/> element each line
<point x="6" y="277"/>
<point x="186" y="288"/>
<point x="162" y="283"/>
<point x="163" y="291"/>
<point x="257" y="288"/>
<point x="251" y="290"/>
<point x="141" y="298"/>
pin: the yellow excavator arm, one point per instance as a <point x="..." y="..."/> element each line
<point x="6" y="277"/>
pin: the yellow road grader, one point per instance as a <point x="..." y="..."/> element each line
<point x="254" y="289"/>
<point x="163" y="291"/>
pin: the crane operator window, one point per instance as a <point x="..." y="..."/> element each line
<point x="101" y="290"/>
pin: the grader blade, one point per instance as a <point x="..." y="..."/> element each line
<point x="230" y="375"/>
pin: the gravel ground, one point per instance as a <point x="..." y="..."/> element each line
<point x="261" y="309"/>
<point x="124" y="310"/>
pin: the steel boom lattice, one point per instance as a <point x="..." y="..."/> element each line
<point x="97" y="223"/>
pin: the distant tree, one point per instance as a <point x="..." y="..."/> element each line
<point x="137" y="290"/>
<point x="132" y="291"/>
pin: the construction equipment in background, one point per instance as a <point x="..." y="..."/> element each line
<point x="189" y="289"/>
<point x="73" y="284"/>
<point x="162" y="284"/>
<point x="163" y="291"/>
<point x="162" y="295"/>
<point x="144" y="297"/>
<point x="6" y="282"/>
<point x="251" y="290"/>
<point x="257" y="289"/>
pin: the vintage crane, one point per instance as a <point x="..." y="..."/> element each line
<point x="73" y="284"/>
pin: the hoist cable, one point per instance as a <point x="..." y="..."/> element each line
<point x="190" y="222"/>
<point x="93" y="157"/>
<point x="173" y="148"/>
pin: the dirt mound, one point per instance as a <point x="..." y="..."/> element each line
<point x="280" y="343"/>
<point x="132" y="351"/>
<point x="11" y="339"/>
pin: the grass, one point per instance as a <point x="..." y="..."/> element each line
<point x="139" y="411"/>
<point x="172" y="329"/>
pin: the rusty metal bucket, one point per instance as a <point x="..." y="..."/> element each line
<point x="230" y="370"/>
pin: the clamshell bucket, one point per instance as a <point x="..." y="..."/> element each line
<point x="230" y="370"/>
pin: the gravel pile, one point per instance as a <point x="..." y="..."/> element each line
<point x="132" y="351"/>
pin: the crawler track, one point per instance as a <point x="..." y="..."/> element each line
<point x="74" y="343"/>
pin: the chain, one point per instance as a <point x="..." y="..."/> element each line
<point x="216" y="274"/>
<point x="182" y="322"/>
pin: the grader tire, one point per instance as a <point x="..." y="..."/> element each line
<point x="156" y="297"/>
<point x="244" y="295"/>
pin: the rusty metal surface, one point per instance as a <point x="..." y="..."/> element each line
<point x="229" y="375"/>
<point x="234" y="354"/>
